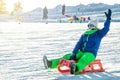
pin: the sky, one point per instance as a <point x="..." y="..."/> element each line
<point x="29" y="5"/>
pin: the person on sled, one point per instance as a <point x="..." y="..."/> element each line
<point x="86" y="48"/>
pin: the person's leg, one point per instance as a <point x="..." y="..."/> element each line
<point x="55" y="62"/>
<point x="86" y="59"/>
<point x="79" y="55"/>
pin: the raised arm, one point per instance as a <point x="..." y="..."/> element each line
<point x="104" y="31"/>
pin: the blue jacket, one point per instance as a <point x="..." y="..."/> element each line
<point x="91" y="42"/>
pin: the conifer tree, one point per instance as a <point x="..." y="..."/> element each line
<point x="63" y="9"/>
<point x="45" y="13"/>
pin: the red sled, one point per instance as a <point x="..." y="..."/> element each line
<point x="95" y="66"/>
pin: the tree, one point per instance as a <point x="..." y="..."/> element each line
<point x="63" y="9"/>
<point x="3" y="7"/>
<point x="45" y="13"/>
<point x="17" y="8"/>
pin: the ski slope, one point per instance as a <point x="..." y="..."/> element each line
<point x="23" y="45"/>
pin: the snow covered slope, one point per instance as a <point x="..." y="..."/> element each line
<point x="23" y="45"/>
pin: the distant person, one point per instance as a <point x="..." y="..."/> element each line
<point x="86" y="48"/>
<point x="76" y="19"/>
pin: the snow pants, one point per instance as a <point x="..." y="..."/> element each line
<point x="83" y="59"/>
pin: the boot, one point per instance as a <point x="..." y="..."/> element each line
<point x="72" y="68"/>
<point x="46" y="62"/>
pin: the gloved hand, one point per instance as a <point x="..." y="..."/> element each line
<point x="73" y="57"/>
<point x="108" y="14"/>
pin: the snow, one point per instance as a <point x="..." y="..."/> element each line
<point x="23" y="45"/>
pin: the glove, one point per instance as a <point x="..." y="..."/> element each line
<point x="108" y="14"/>
<point x="73" y="57"/>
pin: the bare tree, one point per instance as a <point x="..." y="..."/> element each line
<point x="3" y="7"/>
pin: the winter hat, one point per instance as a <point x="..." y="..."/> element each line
<point x="94" y="22"/>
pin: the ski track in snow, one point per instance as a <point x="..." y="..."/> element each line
<point x="23" y="45"/>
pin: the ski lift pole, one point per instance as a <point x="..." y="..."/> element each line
<point x="78" y="10"/>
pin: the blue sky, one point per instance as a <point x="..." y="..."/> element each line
<point x="32" y="4"/>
